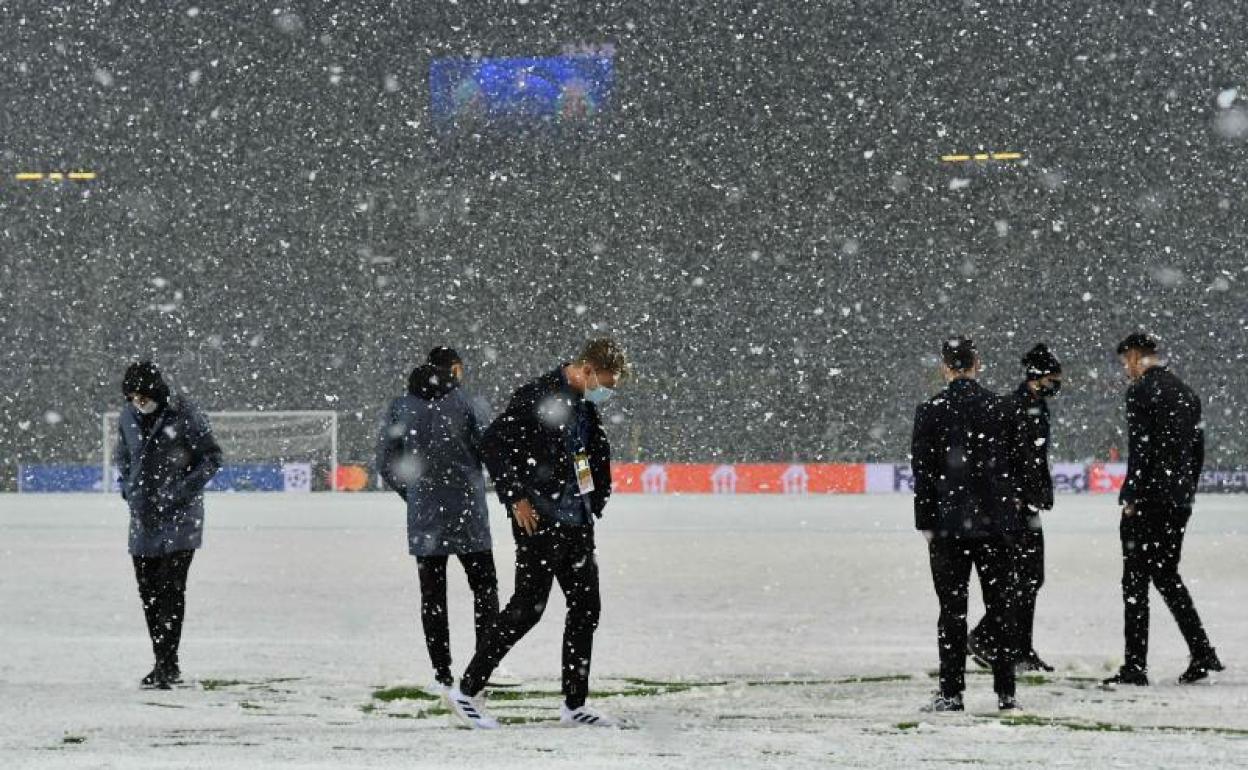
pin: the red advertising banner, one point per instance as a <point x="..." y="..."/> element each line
<point x="762" y="478"/>
<point x="1106" y="478"/>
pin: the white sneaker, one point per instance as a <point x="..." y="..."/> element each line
<point x="470" y="711"/>
<point x="437" y="689"/>
<point x="504" y="678"/>
<point x="585" y="717"/>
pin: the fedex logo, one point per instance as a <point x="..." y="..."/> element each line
<point x="1069" y="478"/>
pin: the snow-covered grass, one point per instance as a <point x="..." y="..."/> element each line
<point x="737" y="632"/>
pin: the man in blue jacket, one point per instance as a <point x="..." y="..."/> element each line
<point x="968" y="505"/>
<point x="166" y="454"/>
<point x="429" y="452"/>
<point x="551" y="464"/>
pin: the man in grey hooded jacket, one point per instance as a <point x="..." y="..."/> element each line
<point x="429" y="452"/>
<point x="166" y="455"/>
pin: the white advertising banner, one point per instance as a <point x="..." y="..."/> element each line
<point x="297" y="477"/>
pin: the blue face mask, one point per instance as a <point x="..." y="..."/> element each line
<point x="599" y="394"/>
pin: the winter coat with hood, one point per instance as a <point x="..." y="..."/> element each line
<point x="165" y="460"/>
<point x="429" y="452"/>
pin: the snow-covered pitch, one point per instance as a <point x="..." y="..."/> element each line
<point x="736" y="632"/>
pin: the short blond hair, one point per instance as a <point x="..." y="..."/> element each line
<point x="605" y="354"/>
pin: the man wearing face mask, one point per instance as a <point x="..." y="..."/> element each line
<point x="1043" y="381"/>
<point x="166" y="454"/>
<point x="551" y="464"/>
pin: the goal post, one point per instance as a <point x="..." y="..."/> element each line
<point x="259" y="443"/>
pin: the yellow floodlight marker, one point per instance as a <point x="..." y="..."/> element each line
<point x="981" y="157"/>
<point x="55" y="176"/>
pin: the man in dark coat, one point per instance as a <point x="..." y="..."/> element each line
<point x="967" y="504"/>
<point x="1166" y="453"/>
<point x="1043" y="381"/>
<point x="551" y="464"/>
<point x="166" y="455"/>
<point x="429" y="452"/>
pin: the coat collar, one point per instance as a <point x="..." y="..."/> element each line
<point x="963" y="385"/>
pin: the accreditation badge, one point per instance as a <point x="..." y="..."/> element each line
<point x="584" y="476"/>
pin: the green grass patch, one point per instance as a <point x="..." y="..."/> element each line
<point x="209" y="685"/>
<point x="638" y="682"/>
<point x="525" y="720"/>
<point x="388" y="694"/>
<point x="875" y="679"/>
<point x="907" y="725"/>
<point x="436" y="711"/>
<point x="644" y="691"/>
<point x="506" y="696"/>
<point x="1034" y="720"/>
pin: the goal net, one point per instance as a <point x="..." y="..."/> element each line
<point x="264" y="451"/>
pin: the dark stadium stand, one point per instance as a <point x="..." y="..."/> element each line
<point x="759" y="213"/>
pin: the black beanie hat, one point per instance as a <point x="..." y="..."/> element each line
<point x="444" y="357"/>
<point x="959" y="353"/>
<point x="430" y="382"/>
<point x="1040" y="362"/>
<point x="145" y="379"/>
<point x="1138" y="341"/>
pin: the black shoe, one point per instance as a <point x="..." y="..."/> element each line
<point x="151" y="679"/>
<point x="157" y="679"/>
<point x="172" y="672"/>
<point x="162" y="677"/>
<point x="978" y="652"/>
<point x="1033" y="662"/>
<point x="942" y="704"/>
<point x="1128" y="676"/>
<point x="1200" y="667"/>
<point x="1008" y="703"/>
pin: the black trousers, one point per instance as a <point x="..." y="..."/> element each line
<point x="479" y="567"/>
<point x="555" y="553"/>
<point x="1152" y="545"/>
<point x="162" y="588"/>
<point x="1028" y="578"/>
<point x="951" y="561"/>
